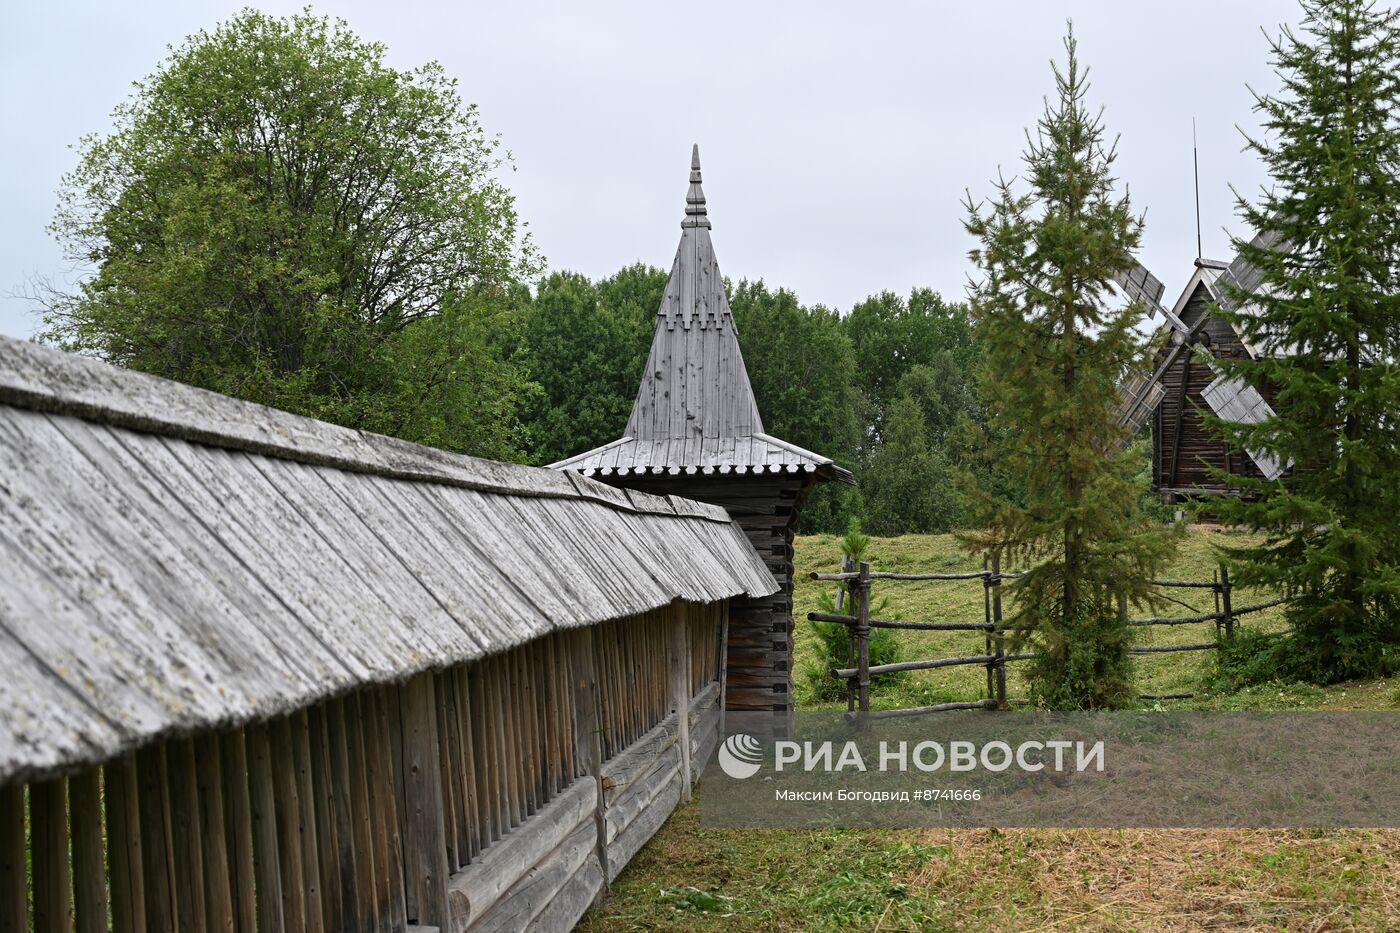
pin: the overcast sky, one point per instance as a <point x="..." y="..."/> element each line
<point x="838" y="139"/>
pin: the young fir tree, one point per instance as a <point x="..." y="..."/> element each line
<point x="1325" y="322"/>
<point x="1057" y="344"/>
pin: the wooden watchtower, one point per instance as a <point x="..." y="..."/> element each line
<point x="696" y="431"/>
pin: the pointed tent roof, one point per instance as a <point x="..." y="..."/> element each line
<point x="695" y="411"/>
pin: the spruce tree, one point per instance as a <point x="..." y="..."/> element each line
<point x="1323" y="324"/>
<point x="1057" y="343"/>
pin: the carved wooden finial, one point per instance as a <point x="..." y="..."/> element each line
<point x="695" y="215"/>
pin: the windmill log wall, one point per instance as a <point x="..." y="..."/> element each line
<point x="1184" y="449"/>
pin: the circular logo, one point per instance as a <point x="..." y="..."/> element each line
<point x="740" y="756"/>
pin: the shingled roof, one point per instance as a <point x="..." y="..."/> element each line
<point x="695" y="410"/>
<point x="176" y="560"/>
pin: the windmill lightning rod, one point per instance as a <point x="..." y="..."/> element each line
<point x="1196" y="172"/>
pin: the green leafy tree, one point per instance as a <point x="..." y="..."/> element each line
<point x="1326" y="321"/>
<point x="587" y="345"/>
<point x="1055" y="350"/>
<point x="802" y="367"/>
<point x="891" y="336"/>
<point x="919" y="348"/>
<point x="279" y="216"/>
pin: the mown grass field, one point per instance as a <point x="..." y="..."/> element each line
<point x="688" y="878"/>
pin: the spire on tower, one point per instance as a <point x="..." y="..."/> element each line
<point x="695" y="215"/>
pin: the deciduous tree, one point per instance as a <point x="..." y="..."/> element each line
<point x="280" y="216"/>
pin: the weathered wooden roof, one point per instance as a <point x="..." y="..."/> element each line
<point x="175" y="559"/>
<point x="675" y="456"/>
<point x="695" y="410"/>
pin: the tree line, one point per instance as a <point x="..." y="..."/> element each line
<point x="879" y="389"/>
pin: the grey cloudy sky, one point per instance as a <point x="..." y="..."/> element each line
<point x="838" y="139"/>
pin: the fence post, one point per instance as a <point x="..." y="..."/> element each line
<point x="680" y="688"/>
<point x="1225" y="605"/>
<point x="1000" y="652"/>
<point x="987" y="618"/>
<point x="1215" y="592"/>
<point x="843" y="606"/>
<point x="588" y="739"/>
<point x="862" y="597"/>
<point x="425" y="834"/>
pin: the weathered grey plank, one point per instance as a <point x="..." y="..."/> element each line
<point x="644" y="826"/>
<point x="157" y="855"/>
<point x="120" y="792"/>
<point x="185" y="835"/>
<point x="569" y="903"/>
<point x="266" y="855"/>
<point x="213" y="835"/>
<point x="238" y="826"/>
<point x="89" y="851"/>
<point x="425" y="838"/>
<point x="48" y="822"/>
<point x="14" y="872"/>
<point x="476" y="889"/>
<point x="538" y="886"/>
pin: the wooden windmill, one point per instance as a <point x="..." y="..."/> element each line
<point x="1185" y="382"/>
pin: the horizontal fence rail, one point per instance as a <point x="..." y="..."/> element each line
<point x="856" y="580"/>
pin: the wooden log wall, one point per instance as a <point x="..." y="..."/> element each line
<point x="767" y="507"/>
<point x="1184" y="449"/>
<point x="481" y="797"/>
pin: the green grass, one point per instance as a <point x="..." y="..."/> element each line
<point x="689" y="878"/>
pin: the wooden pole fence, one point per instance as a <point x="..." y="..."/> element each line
<point x="858" y="622"/>
<point x="862" y="631"/>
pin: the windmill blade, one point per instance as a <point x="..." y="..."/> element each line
<point x="1237" y="401"/>
<point x="1141" y="390"/>
<point x="1243" y="278"/>
<point x="1139" y="395"/>
<point x="1141" y="285"/>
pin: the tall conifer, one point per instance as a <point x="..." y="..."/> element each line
<point x="1057" y="344"/>
<point x="1324" y="325"/>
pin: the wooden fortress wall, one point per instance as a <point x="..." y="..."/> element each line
<point x="502" y="794"/>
